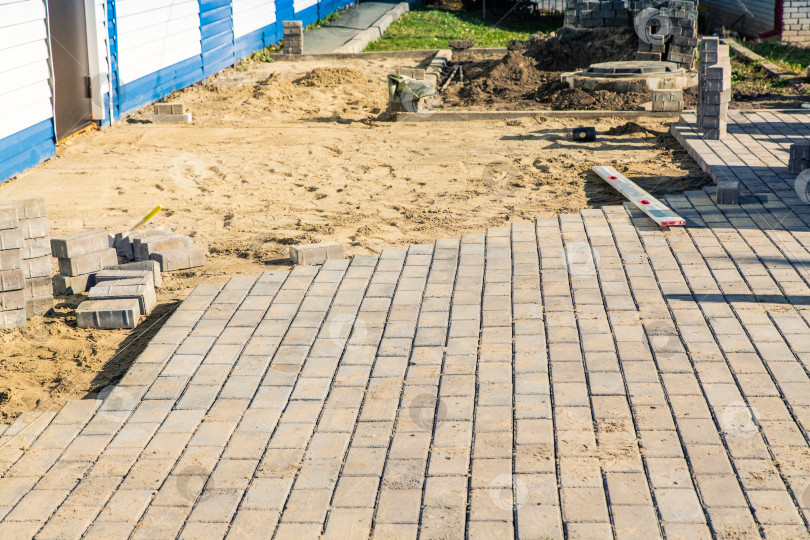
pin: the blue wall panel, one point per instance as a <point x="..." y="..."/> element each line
<point x="25" y="149"/>
<point x="216" y="25"/>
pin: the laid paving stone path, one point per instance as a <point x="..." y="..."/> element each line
<point x="584" y="376"/>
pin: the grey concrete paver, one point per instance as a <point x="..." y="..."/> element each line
<point x="589" y="375"/>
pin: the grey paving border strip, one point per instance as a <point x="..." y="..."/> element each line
<point x="467" y="116"/>
<point x="376" y="55"/>
<point x="375" y="31"/>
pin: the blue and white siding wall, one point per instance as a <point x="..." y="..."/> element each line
<point x="254" y="25"/>
<point x="26" y="109"/>
<point x="158" y="49"/>
<point x="139" y="52"/>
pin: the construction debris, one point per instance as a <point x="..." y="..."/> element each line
<point x="799" y="158"/>
<point x="728" y="192"/>
<point x="316" y="253"/>
<point x="584" y="134"/>
<point x="171" y="113"/>
<point x="655" y="209"/>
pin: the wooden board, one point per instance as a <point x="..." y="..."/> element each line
<point x="655" y="209"/>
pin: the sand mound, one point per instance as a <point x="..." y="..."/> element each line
<point x="275" y="89"/>
<point x="331" y="77"/>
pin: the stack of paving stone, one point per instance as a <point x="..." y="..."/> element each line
<point x="595" y="13"/>
<point x="34" y="253"/>
<point x="714" y="88"/>
<point x="119" y="298"/>
<point x="681" y="44"/>
<point x="667" y="100"/>
<point x="81" y="255"/>
<point x="170" y="250"/>
<point x="293" y="37"/>
<point x="799" y="158"/>
<point x="12" y="279"/>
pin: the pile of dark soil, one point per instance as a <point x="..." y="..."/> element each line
<point x="568" y="49"/>
<point x="528" y="77"/>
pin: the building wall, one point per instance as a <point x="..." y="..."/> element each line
<point x="754" y="17"/>
<point x="139" y="52"/>
<point x="796" y="22"/>
<point x="748" y="17"/>
<point x="26" y="110"/>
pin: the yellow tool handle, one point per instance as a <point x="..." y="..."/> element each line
<point x="146" y="218"/>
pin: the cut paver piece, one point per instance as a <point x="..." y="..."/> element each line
<point x="172" y="118"/>
<point x="151" y="266"/>
<point x="108" y="314"/>
<point x="146" y="276"/>
<point x="12" y="300"/>
<point x="38" y="306"/>
<point x="37" y="268"/>
<point x="143" y="292"/>
<point x="88" y="263"/>
<point x="34" y="248"/>
<point x="12" y="280"/>
<point x="34" y="228"/>
<point x="728" y="192"/>
<point x="10" y="259"/>
<point x="170" y="108"/>
<point x="80" y="243"/>
<point x="8" y="218"/>
<point x="14" y="318"/>
<point x="179" y="259"/>
<point x="69" y="285"/>
<point x="39" y="287"/>
<point x="316" y="253"/>
<point x="161" y="244"/>
<point x="28" y="208"/>
<point x="11" y="239"/>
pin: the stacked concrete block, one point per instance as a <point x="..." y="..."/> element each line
<point x="316" y="253"/>
<point x="81" y="255"/>
<point x="799" y="158"/>
<point x="596" y="13"/>
<point x="679" y="41"/>
<point x="171" y="113"/>
<point x="171" y="251"/>
<point x="293" y="37"/>
<point x="35" y="253"/>
<point x="118" y="299"/>
<point x="12" y="279"/>
<point x="150" y="266"/>
<point x="667" y="100"/>
<point x="683" y="16"/>
<point x="714" y="88"/>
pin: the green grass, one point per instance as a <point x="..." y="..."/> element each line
<point x="795" y="59"/>
<point x="433" y="28"/>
